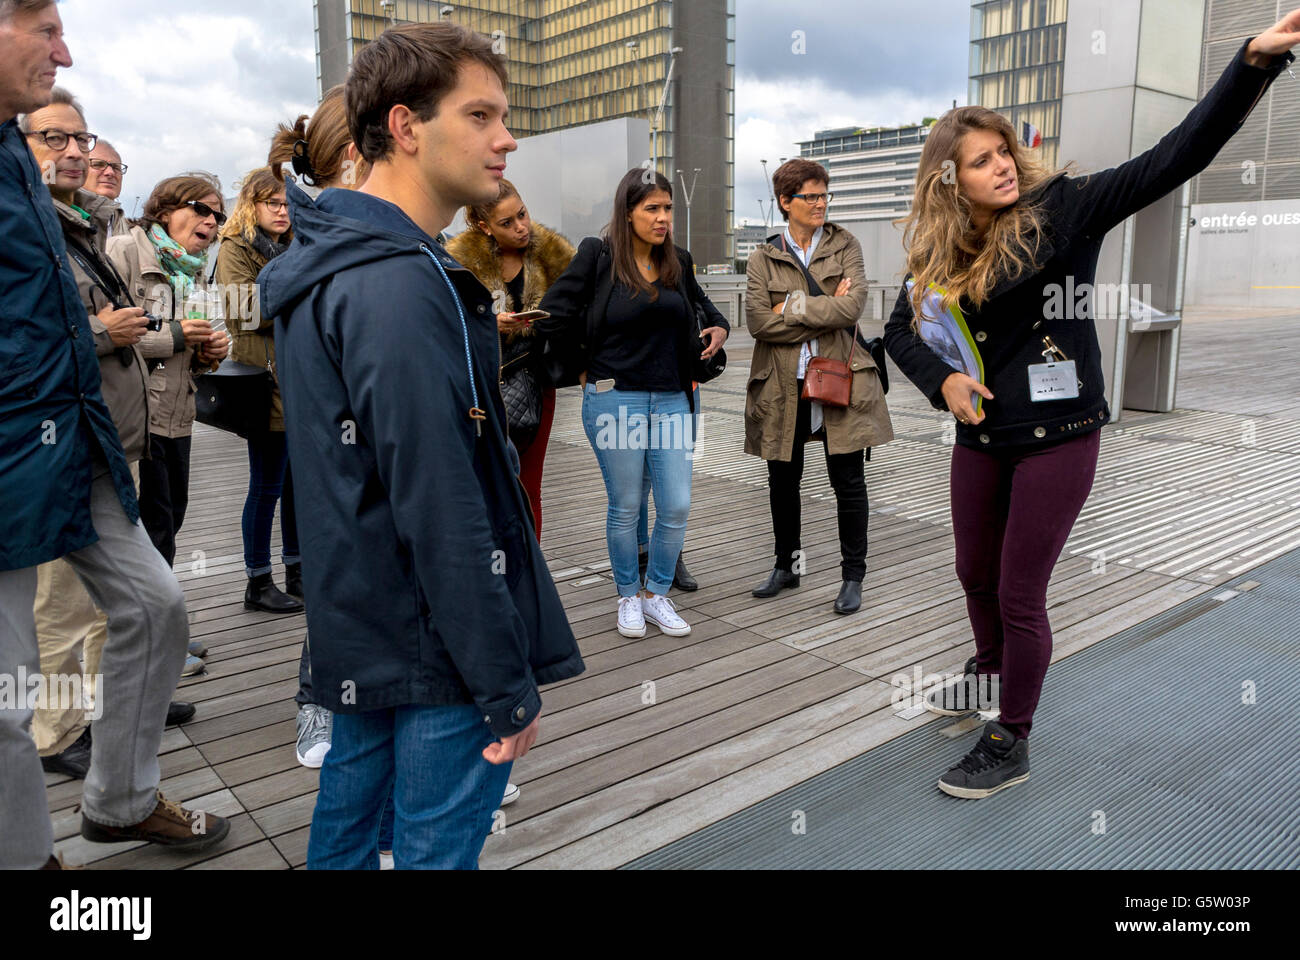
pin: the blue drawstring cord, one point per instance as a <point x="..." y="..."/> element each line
<point x="476" y="413"/>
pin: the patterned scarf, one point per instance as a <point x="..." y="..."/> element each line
<point x="182" y="267"/>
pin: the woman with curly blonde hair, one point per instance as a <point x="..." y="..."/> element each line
<point x="256" y="233"/>
<point x="992" y="240"/>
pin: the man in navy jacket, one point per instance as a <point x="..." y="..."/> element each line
<point x="433" y="618"/>
<point x="65" y="489"/>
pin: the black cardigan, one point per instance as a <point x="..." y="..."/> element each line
<point x="1077" y="213"/>
<point x="577" y="301"/>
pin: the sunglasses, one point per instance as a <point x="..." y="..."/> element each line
<point x="203" y="210"/>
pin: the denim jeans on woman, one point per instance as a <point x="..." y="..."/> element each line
<point x="430" y="760"/>
<point x="632" y="431"/>
<point x="268" y="481"/>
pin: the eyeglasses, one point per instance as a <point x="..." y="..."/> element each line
<point x="203" y="210"/>
<point x="103" y="164"/>
<point x="58" y="139"/>
<point x="275" y="206"/>
<point x="812" y="199"/>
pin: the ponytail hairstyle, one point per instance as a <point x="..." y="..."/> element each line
<point x="481" y="213"/>
<point x="943" y="246"/>
<point x="318" y="149"/>
<point x="632" y="189"/>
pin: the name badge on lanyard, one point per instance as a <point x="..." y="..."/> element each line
<point x="1053" y="381"/>
<point x="1056" y="379"/>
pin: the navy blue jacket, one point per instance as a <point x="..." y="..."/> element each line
<point x="424" y="582"/>
<point x="1078" y="212"/>
<point x="56" y="433"/>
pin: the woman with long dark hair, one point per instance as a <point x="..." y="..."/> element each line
<point x="626" y="309"/>
<point x="990" y="247"/>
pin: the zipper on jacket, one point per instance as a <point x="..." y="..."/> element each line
<point x="476" y="413"/>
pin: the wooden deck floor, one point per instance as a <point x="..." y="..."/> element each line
<point x="662" y="736"/>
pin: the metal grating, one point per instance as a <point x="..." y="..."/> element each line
<point x="1146" y="729"/>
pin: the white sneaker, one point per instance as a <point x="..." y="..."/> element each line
<point x="315" y="731"/>
<point x="385" y="861"/>
<point x="512" y="794"/>
<point x="660" y="611"/>
<point x="631" y="621"/>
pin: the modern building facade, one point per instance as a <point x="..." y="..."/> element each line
<point x="872" y="171"/>
<point x="1244" y="243"/>
<point x="1017" y="63"/>
<point x="577" y="62"/>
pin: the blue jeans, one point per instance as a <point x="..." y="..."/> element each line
<point x="444" y="793"/>
<point x="643" y="521"/>
<point x="268" y="481"/>
<point x="632" y="432"/>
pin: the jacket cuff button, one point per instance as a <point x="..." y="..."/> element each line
<point x="520" y="713"/>
<point x="1040" y="432"/>
<point x="984" y="438"/>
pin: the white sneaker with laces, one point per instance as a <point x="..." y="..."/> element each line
<point x="512" y="794"/>
<point x="385" y="861"/>
<point x="631" y="621"/>
<point x="661" y="612"/>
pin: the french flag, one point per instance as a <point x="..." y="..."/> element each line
<point x="1030" y="135"/>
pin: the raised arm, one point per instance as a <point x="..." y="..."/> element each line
<point x="1098" y="202"/>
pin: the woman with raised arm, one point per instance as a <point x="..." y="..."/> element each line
<point x="990" y="248"/>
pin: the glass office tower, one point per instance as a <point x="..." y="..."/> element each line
<point x="574" y="62"/>
<point x="1017" y="64"/>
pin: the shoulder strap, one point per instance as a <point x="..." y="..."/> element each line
<point x="101" y="272"/>
<point x="814" y="288"/>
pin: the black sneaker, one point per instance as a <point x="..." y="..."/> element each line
<point x="74" y="761"/>
<point x="965" y="694"/>
<point x="998" y="761"/>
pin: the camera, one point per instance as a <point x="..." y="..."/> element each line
<point x="154" y="323"/>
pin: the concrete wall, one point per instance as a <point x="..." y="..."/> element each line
<point x="1237" y="259"/>
<point x="567" y="178"/>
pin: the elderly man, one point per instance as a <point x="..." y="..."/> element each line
<point x="65" y="615"/>
<point x="66" y="489"/>
<point x="105" y="178"/>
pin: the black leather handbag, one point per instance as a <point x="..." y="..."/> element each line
<point x="236" y="397"/>
<point x="702" y="371"/>
<point x="521" y="391"/>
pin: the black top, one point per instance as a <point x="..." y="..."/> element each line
<point x="515" y="290"/>
<point x="637" y="343"/>
<point x="1078" y="212"/>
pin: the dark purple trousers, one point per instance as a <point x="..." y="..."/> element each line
<point x="1011" y="514"/>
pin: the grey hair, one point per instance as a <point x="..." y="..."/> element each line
<point x="101" y="142"/>
<point x="9" y="7"/>
<point x="57" y="96"/>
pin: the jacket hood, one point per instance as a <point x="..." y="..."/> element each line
<point x="101" y="210"/>
<point x="338" y="230"/>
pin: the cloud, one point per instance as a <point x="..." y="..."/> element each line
<point x="872" y="64"/>
<point x="178" y="90"/>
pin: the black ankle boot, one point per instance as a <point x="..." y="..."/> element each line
<point x="682" y="578"/>
<point x="850" y="598"/>
<point x="262" y="594"/>
<point x="293" y="580"/>
<point x="777" y="581"/>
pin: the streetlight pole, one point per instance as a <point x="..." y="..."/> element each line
<point x="688" y="194"/>
<point x="659" y="114"/>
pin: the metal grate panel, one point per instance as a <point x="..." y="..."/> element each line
<point x="1146" y="729"/>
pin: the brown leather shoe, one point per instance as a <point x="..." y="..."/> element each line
<point x="170" y="825"/>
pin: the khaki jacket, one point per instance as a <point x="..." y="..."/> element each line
<point x="252" y="337"/>
<point x="125" y="386"/>
<point x="171" y="384"/>
<point x="772" y="401"/>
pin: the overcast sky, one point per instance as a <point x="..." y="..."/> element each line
<point x="203" y="85"/>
